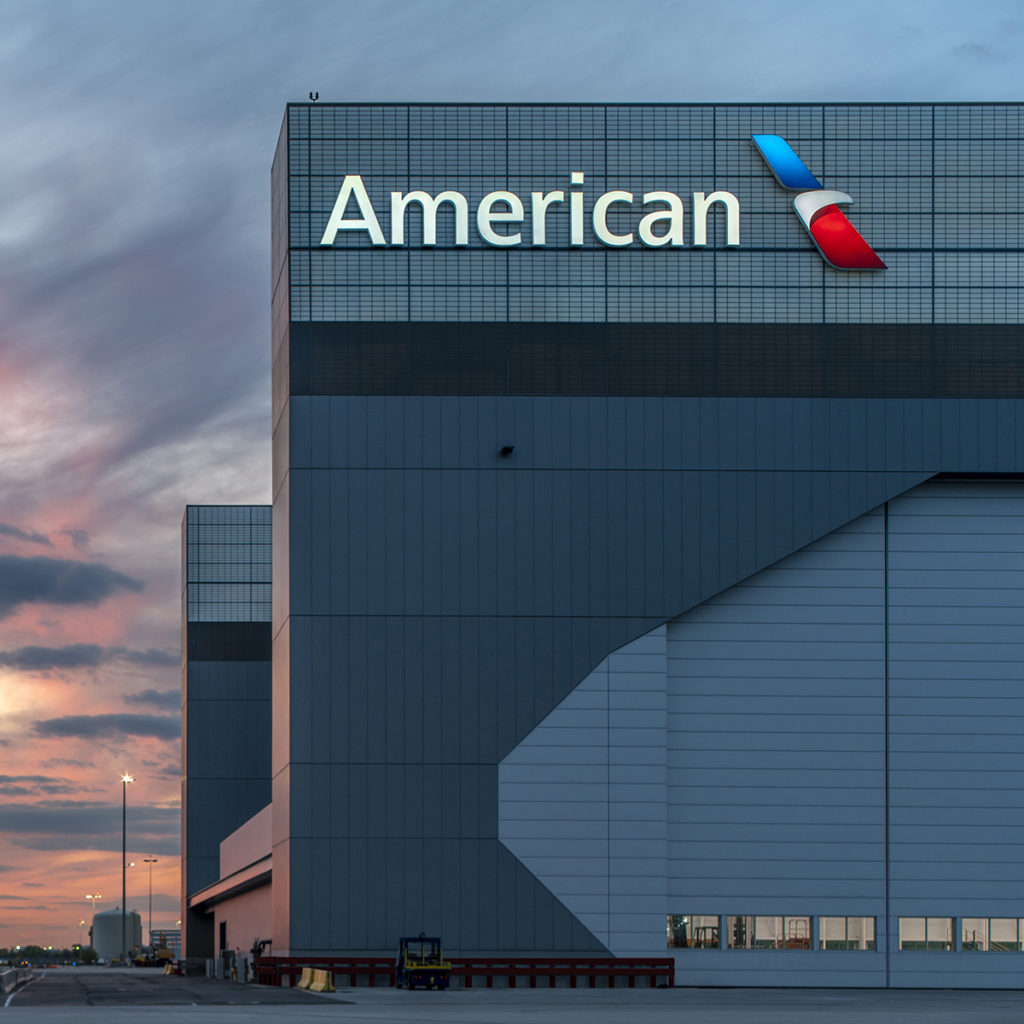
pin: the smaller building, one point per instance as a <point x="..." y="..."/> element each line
<point x="107" y="936"/>
<point x="239" y="903"/>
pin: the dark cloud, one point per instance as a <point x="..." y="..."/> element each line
<point x="9" y="896"/>
<point x="79" y="538"/>
<point x="158" y="698"/>
<point x="6" y="867"/>
<point x="976" y="51"/>
<point x="33" y="657"/>
<point x="164" y="727"/>
<point x="35" y="785"/>
<point x="167" y="847"/>
<point x="36" y="658"/>
<point x="147" y="657"/>
<point x="57" y="581"/>
<point x="6" y="530"/>
<point x="66" y="824"/>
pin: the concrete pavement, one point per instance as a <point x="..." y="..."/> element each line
<point x="140" y="1000"/>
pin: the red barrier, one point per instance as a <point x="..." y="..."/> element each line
<point x="571" y="967"/>
<point x="283" y="970"/>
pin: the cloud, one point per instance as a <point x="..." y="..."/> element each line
<point x="164" y="727"/>
<point x="7" y="867"/>
<point x="36" y="658"/>
<point x="79" y="538"/>
<point x="68" y="821"/>
<point x="57" y="581"/>
<point x="976" y="51"/>
<point x="33" y="785"/>
<point x="168" y="847"/>
<point x="6" y="530"/>
<point x="158" y="698"/>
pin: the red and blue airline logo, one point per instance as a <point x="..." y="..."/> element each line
<point x="838" y="241"/>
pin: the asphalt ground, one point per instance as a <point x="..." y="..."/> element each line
<point x="111" y="996"/>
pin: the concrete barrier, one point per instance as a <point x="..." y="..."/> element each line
<point x="306" y="979"/>
<point x="322" y="982"/>
<point x="12" y="977"/>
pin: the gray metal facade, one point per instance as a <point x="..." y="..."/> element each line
<point x="679" y="421"/>
<point x="226" y="708"/>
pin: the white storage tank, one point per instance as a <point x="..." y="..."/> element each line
<point x="106" y="933"/>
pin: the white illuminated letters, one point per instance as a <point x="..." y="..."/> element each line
<point x="661" y="217"/>
<point x="429" y="206"/>
<point x="352" y="188"/>
<point x="601" y="218"/>
<point x="576" y="210"/>
<point x="486" y="215"/>
<point x="672" y="218"/>
<point x="701" y="205"/>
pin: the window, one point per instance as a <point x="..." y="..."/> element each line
<point x="846" y="933"/>
<point x="929" y="933"/>
<point x="693" y="931"/>
<point x="769" y="932"/>
<point x="991" y="934"/>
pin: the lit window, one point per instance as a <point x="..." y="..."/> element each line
<point x="931" y="933"/>
<point x="990" y="934"/>
<point x="693" y="931"/>
<point x="769" y="932"/>
<point x="846" y="933"/>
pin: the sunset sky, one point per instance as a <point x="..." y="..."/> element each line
<point x="134" y="320"/>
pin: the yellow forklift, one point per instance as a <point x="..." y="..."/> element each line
<point x="421" y="962"/>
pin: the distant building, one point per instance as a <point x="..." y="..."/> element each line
<point x="172" y="936"/>
<point x="645" y="584"/>
<point x="225" y="692"/>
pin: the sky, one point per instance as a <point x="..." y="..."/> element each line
<point x="134" y="320"/>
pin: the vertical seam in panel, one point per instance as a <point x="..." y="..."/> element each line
<point x="885" y="656"/>
<point x="933" y="222"/>
<point x="608" y="804"/>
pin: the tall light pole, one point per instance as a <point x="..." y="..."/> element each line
<point x="150" y="861"/>
<point x="92" y="897"/>
<point x="125" y="779"/>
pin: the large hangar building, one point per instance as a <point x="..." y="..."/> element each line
<point x="648" y="540"/>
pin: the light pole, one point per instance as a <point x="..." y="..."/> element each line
<point x="81" y="923"/>
<point x="92" y="897"/>
<point x="125" y="779"/>
<point x="150" y="861"/>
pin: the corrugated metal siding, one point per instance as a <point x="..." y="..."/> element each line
<point x="956" y="719"/>
<point x="581" y="801"/>
<point x="771" y="701"/>
<point x="776" y="761"/>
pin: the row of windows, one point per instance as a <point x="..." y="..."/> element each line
<point x="975" y="120"/>
<point x="662" y="156"/>
<point x="660" y="305"/>
<point x="230" y="611"/>
<point x="205" y="549"/>
<point x="228" y="515"/>
<point x="398" y="267"/>
<point x="980" y="934"/>
<point x="475" y="156"/>
<point x="767" y="932"/>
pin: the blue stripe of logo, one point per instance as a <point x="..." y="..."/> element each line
<point x="790" y="171"/>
